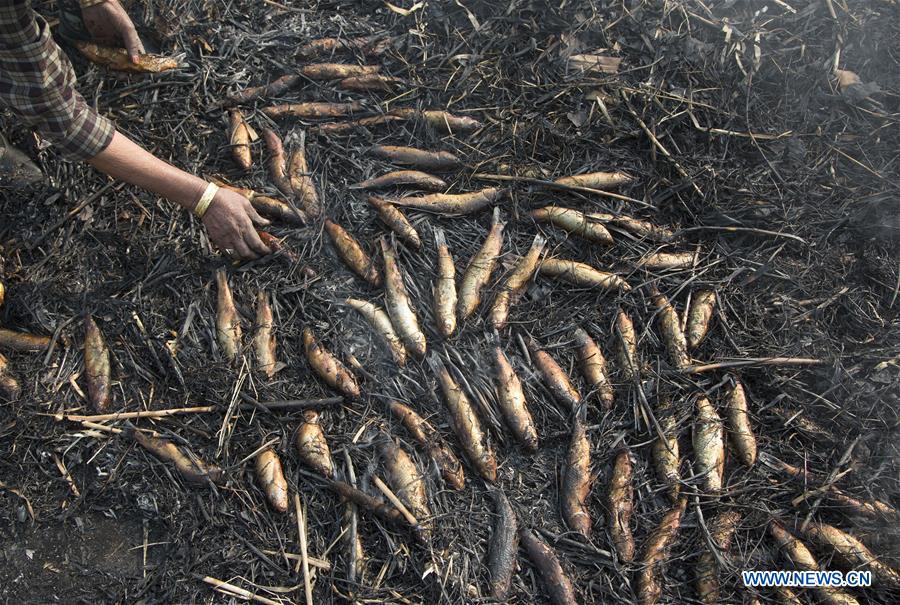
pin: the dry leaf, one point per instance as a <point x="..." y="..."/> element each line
<point x="597" y="95"/>
<point x="570" y="44"/>
<point x="594" y="63"/>
<point x="405" y="12"/>
<point x="846" y="78"/>
<point x="254" y="136"/>
<point x="578" y="118"/>
<point x="475" y="24"/>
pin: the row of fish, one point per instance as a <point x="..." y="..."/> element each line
<point x="352" y="77"/>
<point x="401" y="472"/>
<point x="709" y="442"/>
<point x="451" y="304"/>
<point x="408" y="486"/>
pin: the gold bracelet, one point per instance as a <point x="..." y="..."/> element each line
<point x="90" y="3"/>
<point x="206" y="199"/>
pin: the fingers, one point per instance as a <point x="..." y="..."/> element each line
<point x="257" y="219"/>
<point x="252" y="240"/>
<point x="229" y="221"/>
<point x="132" y="42"/>
<point x="241" y="250"/>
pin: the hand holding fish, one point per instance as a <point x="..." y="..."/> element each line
<point x="230" y="224"/>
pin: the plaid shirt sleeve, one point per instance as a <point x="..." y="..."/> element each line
<point x="37" y="83"/>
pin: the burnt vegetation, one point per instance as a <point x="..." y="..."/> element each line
<point x="775" y="175"/>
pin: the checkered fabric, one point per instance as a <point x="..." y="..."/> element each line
<point x="38" y="84"/>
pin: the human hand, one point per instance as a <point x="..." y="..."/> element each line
<point x="230" y="221"/>
<point x="108" y="22"/>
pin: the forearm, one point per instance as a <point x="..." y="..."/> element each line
<point x="126" y="161"/>
<point x="229" y="218"/>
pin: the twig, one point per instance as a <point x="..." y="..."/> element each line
<point x="236" y="591"/>
<point x="55" y="339"/>
<point x="752" y="361"/>
<point x="353" y="528"/>
<point x="20" y="494"/>
<point x="144" y="547"/>
<point x="287" y="9"/>
<point x="829" y="481"/>
<point x="253" y="454"/>
<point x="678" y="167"/>
<point x="864" y="167"/>
<point x="822" y="489"/>
<point x="66" y="475"/>
<point x="313" y="561"/>
<point x="304" y="557"/>
<point x="101" y="427"/>
<point x="74" y="211"/>
<point x="130" y="415"/>
<point x="395" y="501"/>
<point x="558" y="539"/>
<point x="299" y="531"/>
<point x="648" y="411"/>
<point x="828" y="301"/>
<point x="710" y="543"/>
<point x="262" y="556"/>
<point x="290" y="404"/>
<point x="734" y="133"/>
<point x="114" y="430"/>
<point x="227" y="427"/>
<point x="367" y="502"/>
<point x="740" y="230"/>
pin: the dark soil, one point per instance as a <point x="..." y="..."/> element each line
<point x="751" y="132"/>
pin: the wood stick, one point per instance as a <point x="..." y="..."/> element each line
<point x="74" y="211"/>
<point x="832" y="478"/>
<point x="237" y="591"/>
<point x="290" y="404"/>
<point x="729" y="229"/>
<point x="130" y="415"/>
<point x="552" y="185"/>
<point x="101" y="427"/>
<point x="367" y="502"/>
<point x="66" y="475"/>
<point x="752" y="361"/>
<point x="299" y="531"/>
<point x="304" y="557"/>
<point x="678" y="167"/>
<point x="395" y="501"/>
<point x="114" y="430"/>
<point x="260" y="554"/>
<point x="313" y="561"/>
